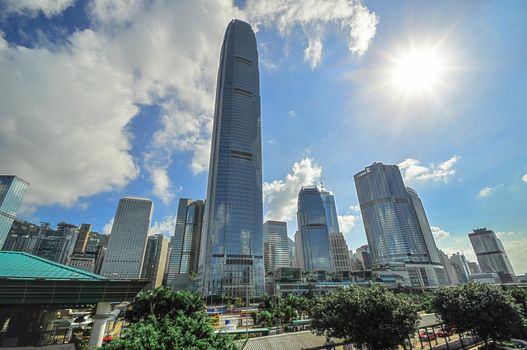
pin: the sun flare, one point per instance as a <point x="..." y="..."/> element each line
<point x="417" y="71"/>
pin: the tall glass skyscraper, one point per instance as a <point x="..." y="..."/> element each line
<point x="12" y="190"/>
<point x="232" y="263"/>
<point x="324" y="247"/>
<point x="276" y="245"/>
<point x="396" y="226"/>
<point x="127" y="244"/>
<point x="185" y="252"/>
<point x="491" y="254"/>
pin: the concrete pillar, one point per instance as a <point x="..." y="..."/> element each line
<point x="102" y="312"/>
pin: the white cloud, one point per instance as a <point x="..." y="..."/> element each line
<point x="281" y="196"/>
<point x="439" y="233"/>
<point x="347" y="223"/>
<point x="412" y="170"/>
<point x="107" y="228"/>
<point x="67" y="109"/>
<point x="488" y="191"/>
<point x="63" y="124"/>
<point x="516" y="249"/>
<point x="165" y="227"/>
<point x="504" y="235"/>
<point x="32" y="8"/>
<point x="468" y="252"/>
<point x="351" y="16"/>
<point x="291" y="114"/>
<point x="524" y="178"/>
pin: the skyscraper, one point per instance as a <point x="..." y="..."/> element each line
<point x="491" y="254"/>
<point x="324" y="246"/>
<point x="396" y="226"/>
<point x="126" y="248"/>
<point x="184" y="255"/>
<point x="232" y="263"/>
<point x="299" y="250"/>
<point x="155" y="259"/>
<point x="276" y="245"/>
<point x="12" y="190"/>
<point x="82" y="239"/>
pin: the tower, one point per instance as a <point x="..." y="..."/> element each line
<point x="232" y="243"/>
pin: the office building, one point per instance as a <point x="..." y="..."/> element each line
<point x="460" y="266"/>
<point x="232" y="244"/>
<point x="451" y="275"/>
<point x="276" y="245"/>
<point x="126" y="247"/>
<point x="474" y="268"/>
<point x="491" y="254"/>
<point x="364" y="256"/>
<point x="12" y="190"/>
<point x="292" y="253"/>
<point x="396" y="226"/>
<point x="156" y="254"/>
<point x="185" y="244"/>
<point x="68" y="234"/>
<point x="82" y="239"/>
<point x="299" y="251"/>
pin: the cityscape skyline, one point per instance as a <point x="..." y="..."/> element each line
<point x="463" y="187"/>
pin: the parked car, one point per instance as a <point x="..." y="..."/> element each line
<point x="447" y="332"/>
<point x="427" y="335"/>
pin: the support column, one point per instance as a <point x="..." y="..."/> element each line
<point x="102" y="312"/>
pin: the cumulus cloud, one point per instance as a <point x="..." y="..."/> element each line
<point x="32" y="8"/>
<point x="67" y="109"/>
<point x="439" y="233"/>
<point x="516" y="249"/>
<point x="524" y="178"/>
<point x="107" y="228"/>
<point x="468" y="252"/>
<point x="412" y="170"/>
<point x="488" y="191"/>
<point x="63" y="124"/>
<point x="347" y="223"/>
<point x="165" y="227"/>
<point x="281" y="196"/>
<point x="291" y="114"/>
<point x="312" y="17"/>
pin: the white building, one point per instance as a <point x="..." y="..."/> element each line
<point x="126" y="248"/>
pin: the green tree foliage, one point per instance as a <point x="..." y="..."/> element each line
<point x="163" y="319"/>
<point x="374" y="317"/>
<point x="184" y="332"/>
<point x="163" y="302"/>
<point x="486" y="310"/>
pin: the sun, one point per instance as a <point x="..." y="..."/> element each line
<point x="417" y="71"/>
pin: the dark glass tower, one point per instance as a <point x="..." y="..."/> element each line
<point x="232" y="263"/>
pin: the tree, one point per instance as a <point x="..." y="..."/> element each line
<point x="374" y="317"/>
<point x="163" y="302"/>
<point x="486" y="310"/>
<point x="184" y="332"/>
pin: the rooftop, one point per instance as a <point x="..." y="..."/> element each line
<point x="19" y="265"/>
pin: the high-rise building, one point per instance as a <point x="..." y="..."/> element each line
<point x="68" y="234"/>
<point x="12" y="190"/>
<point x="491" y="254"/>
<point x="474" y="267"/>
<point x="364" y="256"/>
<point x="232" y="244"/>
<point x="449" y="269"/>
<point x="276" y="245"/>
<point x="82" y="239"/>
<point x="460" y="266"/>
<point x="185" y="244"/>
<point x="155" y="259"/>
<point x="396" y="226"/>
<point x="299" y="250"/>
<point x="292" y="253"/>
<point x="126" y="248"/>
<point x="324" y="246"/>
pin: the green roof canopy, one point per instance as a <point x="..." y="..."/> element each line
<point x="18" y="265"/>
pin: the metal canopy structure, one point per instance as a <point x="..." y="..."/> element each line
<point x="26" y="279"/>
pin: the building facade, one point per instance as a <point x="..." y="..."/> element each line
<point x="82" y="239"/>
<point x="396" y="226"/>
<point x="491" y="254"/>
<point x="156" y="254"/>
<point x="232" y="244"/>
<point x="185" y="244"/>
<point x="12" y="190"/>
<point x="276" y="245"/>
<point x="126" y="247"/>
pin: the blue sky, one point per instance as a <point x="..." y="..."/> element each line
<point x="100" y="100"/>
